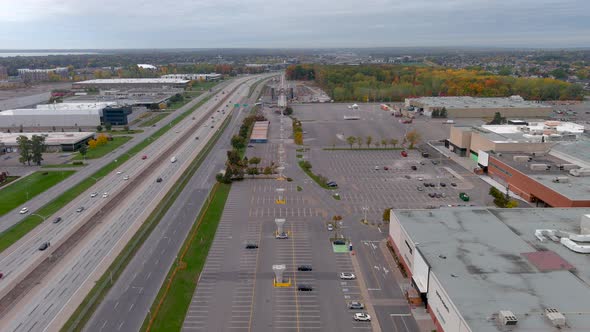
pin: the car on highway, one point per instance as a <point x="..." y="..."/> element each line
<point x="197" y="137"/>
<point x="144" y="157"/>
<point x="173" y="159"/>
<point x="57" y="220"/>
<point x="304" y="288"/>
<point x="376" y="168"/>
<point x="44" y="246"/>
<point x="105" y="195"/>
<point x="94" y="194"/>
<point x="126" y="177"/>
<point x="24" y="210"/>
<point x="442" y="184"/>
<point x="347" y="276"/>
<point x="159" y="180"/>
<point x="414" y="167"/>
<point x="385" y="168"/>
<point x="282" y="235"/>
<point x="251" y="246"/>
<point x="80" y="209"/>
<point x="362" y="317"/>
<point x="356" y="305"/>
<point x="330" y="227"/>
<point x="119" y="172"/>
<point x="304" y="268"/>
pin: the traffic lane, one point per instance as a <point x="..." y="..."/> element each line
<point x="375" y="268"/>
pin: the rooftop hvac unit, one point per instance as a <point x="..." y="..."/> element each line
<point x="561" y="179"/>
<point x="507" y="317"/>
<point x="580" y="172"/>
<point x="556" y="317"/>
<point x="538" y="167"/>
<point x="520" y="158"/>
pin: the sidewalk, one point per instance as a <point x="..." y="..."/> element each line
<point x="422" y="317"/>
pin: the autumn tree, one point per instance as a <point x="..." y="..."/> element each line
<point x="394" y="142"/>
<point x="384" y="142"/>
<point x="413" y="137"/>
<point x="351" y="140"/>
<point x="369" y="140"/>
<point x="359" y="141"/>
<point x="92" y="144"/>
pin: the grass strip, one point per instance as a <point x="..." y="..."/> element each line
<point x="13" y="234"/>
<point x="19" y="192"/>
<point x="63" y="165"/>
<point x="92" y="300"/>
<point x="101" y="150"/>
<point x="154" y="119"/>
<point x="8" y="180"/>
<point x="317" y="178"/>
<point x="173" y="300"/>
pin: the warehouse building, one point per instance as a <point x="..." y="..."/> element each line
<point x="491" y="270"/>
<point x="54" y="141"/>
<point x="126" y="83"/>
<point x="194" y="77"/>
<point x="532" y="137"/>
<point x="65" y="115"/>
<point x="472" y="107"/>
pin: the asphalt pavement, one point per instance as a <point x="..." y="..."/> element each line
<point x="141" y="280"/>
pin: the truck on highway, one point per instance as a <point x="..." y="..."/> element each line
<point x="173" y="159"/>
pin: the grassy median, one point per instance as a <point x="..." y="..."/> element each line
<point x="176" y="298"/>
<point x="101" y="150"/>
<point x="155" y="118"/>
<point x="21" y="191"/>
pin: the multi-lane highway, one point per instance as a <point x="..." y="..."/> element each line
<point x="127" y="303"/>
<point x="44" y="306"/>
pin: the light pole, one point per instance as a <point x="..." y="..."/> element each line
<point x="38" y="215"/>
<point x="365" y="209"/>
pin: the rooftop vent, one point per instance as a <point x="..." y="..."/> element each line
<point x="556" y="317"/>
<point x="507" y="317"/>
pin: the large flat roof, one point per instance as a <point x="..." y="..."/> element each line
<point x="51" y="138"/>
<point x="135" y="81"/>
<point x="466" y="102"/>
<point x="577" y="188"/>
<point x="479" y="255"/>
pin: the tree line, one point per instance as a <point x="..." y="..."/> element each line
<point x="412" y="137"/>
<point x="31" y="150"/>
<point x="397" y="82"/>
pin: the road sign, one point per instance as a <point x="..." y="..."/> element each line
<point x="236" y="105"/>
<point x="245" y="105"/>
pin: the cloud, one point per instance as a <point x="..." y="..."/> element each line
<point x="290" y="23"/>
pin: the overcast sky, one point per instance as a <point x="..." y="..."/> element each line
<point x="34" y="24"/>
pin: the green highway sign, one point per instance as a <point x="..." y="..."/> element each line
<point x="245" y="105"/>
<point x="236" y="105"/>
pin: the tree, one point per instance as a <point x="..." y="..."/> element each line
<point x="102" y="139"/>
<point x="393" y="142"/>
<point x="298" y="138"/>
<point x="306" y="165"/>
<point x="126" y="128"/>
<point x="413" y="137"/>
<point x="238" y="142"/>
<point x="498" y="119"/>
<point x="359" y="141"/>
<point x="288" y="110"/>
<point x="99" y="128"/>
<point x="386" y="214"/>
<point x="83" y="150"/>
<point x="108" y="126"/>
<point x="24" y="149"/>
<point x="351" y="140"/>
<point x="267" y="170"/>
<point x="37" y="148"/>
<point x="443" y="112"/>
<point x="53" y="128"/>
<point x="435" y="113"/>
<point x="384" y="142"/>
<point x="368" y="140"/>
<point x="254" y="161"/>
<point x="92" y="144"/>
<point x="252" y="171"/>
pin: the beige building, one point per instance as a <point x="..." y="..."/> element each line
<point x="471" y="107"/>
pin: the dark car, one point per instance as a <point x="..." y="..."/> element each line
<point x="250" y="145"/>
<point x="251" y="246"/>
<point x="453" y="184"/>
<point x="442" y="184"/>
<point x="331" y="184"/>
<point x="44" y="246"/>
<point x="339" y="242"/>
<point x="197" y="137"/>
<point x="414" y="168"/>
<point x="304" y="288"/>
<point x="212" y="126"/>
<point x="304" y="268"/>
<point x="432" y="195"/>
<point x="57" y="220"/>
<point x="434" y="162"/>
<point x="159" y="180"/>
<point x="426" y="184"/>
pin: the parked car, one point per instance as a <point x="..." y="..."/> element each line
<point x="282" y="235"/>
<point x="57" y="220"/>
<point x="44" y="246"/>
<point x="330" y="227"/>
<point x="331" y="184"/>
<point x="119" y="172"/>
<point x="431" y="195"/>
<point x="453" y="184"/>
<point x="24" y="210"/>
<point x="250" y="145"/>
<point x="386" y="168"/>
<point x="251" y="246"/>
<point x="159" y="180"/>
<point x="304" y="268"/>
<point x="304" y="288"/>
<point x="414" y="167"/>
<point x="126" y="177"/>
<point x="173" y="159"/>
<point x="339" y="242"/>
<point x="362" y="317"/>
<point x="404" y="154"/>
<point x="464" y="197"/>
<point x="442" y="184"/>
<point x="420" y="188"/>
<point x="197" y="137"/>
<point x="420" y="178"/>
<point x="376" y="168"/>
<point x="356" y="305"/>
<point x="347" y="276"/>
<point x="435" y="162"/>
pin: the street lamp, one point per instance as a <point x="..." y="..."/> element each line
<point x="365" y="209"/>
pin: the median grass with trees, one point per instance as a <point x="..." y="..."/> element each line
<point x="101" y="146"/>
<point x="318" y="178"/>
<point x="19" y="192"/>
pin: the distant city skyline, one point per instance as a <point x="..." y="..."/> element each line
<point x="110" y="24"/>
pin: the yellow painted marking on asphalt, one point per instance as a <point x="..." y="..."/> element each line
<point x="254" y="282"/>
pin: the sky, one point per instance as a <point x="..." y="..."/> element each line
<point x="98" y="24"/>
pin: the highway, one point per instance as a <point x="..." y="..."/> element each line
<point x="139" y="284"/>
<point x="13" y="217"/>
<point x="43" y="305"/>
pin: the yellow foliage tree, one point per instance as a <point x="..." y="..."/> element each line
<point x="298" y="138"/>
<point x="92" y="144"/>
<point x="102" y="139"/>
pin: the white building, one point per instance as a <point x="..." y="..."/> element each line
<point x="194" y="77"/>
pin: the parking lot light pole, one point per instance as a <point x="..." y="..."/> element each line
<point x="365" y="209"/>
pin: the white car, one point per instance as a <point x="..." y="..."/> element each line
<point x="361" y="316"/>
<point x="119" y="172"/>
<point x="376" y="168"/>
<point x="126" y="177"/>
<point x="347" y="276"/>
<point x="24" y="210"/>
<point x="94" y="194"/>
<point x="105" y="195"/>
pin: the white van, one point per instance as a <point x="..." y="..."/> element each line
<point x="449" y="121"/>
<point x="173" y="159"/>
